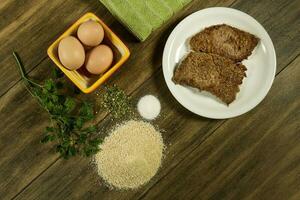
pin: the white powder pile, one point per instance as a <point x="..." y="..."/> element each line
<point x="149" y="107"/>
<point x="131" y="155"/>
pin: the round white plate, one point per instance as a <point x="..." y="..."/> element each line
<point x="261" y="65"/>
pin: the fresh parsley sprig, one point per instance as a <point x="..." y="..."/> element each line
<point x="68" y="117"/>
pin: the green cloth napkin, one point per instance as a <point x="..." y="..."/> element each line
<point x="142" y="17"/>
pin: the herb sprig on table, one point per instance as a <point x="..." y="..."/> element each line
<point x="68" y="117"/>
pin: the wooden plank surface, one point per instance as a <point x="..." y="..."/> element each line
<point x="29" y="162"/>
<point x="190" y="132"/>
<point x="246" y="158"/>
<point x="139" y="68"/>
<point x="21" y="153"/>
<point x="25" y="27"/>
<point x="280" y="19"/>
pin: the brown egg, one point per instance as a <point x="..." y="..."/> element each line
<point x="71" y="53"/>
<point x="99" y="59"/>
<point x="90" y="33"/>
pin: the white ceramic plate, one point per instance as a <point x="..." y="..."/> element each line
<point x="261" y="65"/>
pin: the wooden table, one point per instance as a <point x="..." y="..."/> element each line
<point x="253" y="156"/>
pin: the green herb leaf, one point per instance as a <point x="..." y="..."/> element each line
<point x="82" y="138"/>
<point x="95" y="142"/>
<point x="86" y="111"/>
<point x="50" y="129"/>
<point x="69" y="104"/>
<point x="90" y="150"/>
<point x="47" y="138"/>
<point x="67" y="116"/>
<point x="57" y="73"/>
<point x="71" y="151"/>
<point x="49" y="85"/>
<point x="90" y="129"/>
<point x="60" y="149"/>
<point x="79" y="123"/>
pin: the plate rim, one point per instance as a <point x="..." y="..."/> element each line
<point x="238" y="112"/>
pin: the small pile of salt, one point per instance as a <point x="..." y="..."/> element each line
<point x="149" y="107"/>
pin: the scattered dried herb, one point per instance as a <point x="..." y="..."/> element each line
<point x="116" y="102"/>
<point x="68" y="117"/>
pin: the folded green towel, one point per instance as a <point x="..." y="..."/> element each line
<point x="142" y="17"/>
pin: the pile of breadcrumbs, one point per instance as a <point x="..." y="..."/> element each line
<point x="131" y="155"/>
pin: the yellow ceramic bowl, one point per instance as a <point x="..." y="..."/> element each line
<point x="83" y="80"/>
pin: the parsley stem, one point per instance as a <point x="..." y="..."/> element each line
<point x="67" y="127"/>
<point x="21" y="68"/>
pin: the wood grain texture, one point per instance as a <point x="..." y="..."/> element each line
<point x="21" y="153"/>
<point x="280" y="19"/>
<point x="139" y="68"/>
<point x="247" y="157"/>
<point x="28" y="161"/>
<point x="184" y="132"/>
<point x="30" y="26"/>
<point x="190" y="131"/>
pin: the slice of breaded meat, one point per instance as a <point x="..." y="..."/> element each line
<point x="212" y="73"/>
<point x="225" y="41"/>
